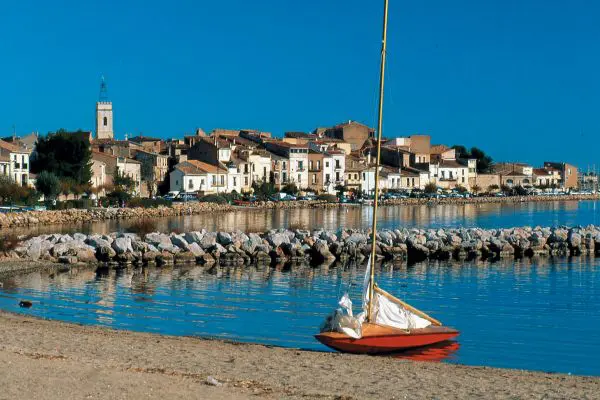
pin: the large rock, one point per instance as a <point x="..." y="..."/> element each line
<point x="34" y="251"/>
<point x="249" y="246"/>
<point x="276" y="239"/>
<point x="105" y="253"/>
<point x="193" y="237"/>
<point x="179" y="241"/>
<point x="208" y="240"/>
<point x="195" y="249"/>
<point x="224" y="238"/>
<point x="122" y="245"/>
<point x="158" y="238"/>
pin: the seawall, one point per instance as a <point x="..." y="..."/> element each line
<point x="303" y="246"/>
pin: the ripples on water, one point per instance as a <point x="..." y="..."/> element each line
<point x="488" y="215"/>
<point x="532" y="315"/>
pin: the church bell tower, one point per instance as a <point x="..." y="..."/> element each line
<point x="104" y="114"/>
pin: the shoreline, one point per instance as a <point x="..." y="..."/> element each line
<point x="53" y="360"/>
<point x="83" y="216"/>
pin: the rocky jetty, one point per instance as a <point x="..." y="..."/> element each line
<point x="302" y="246"/>
<point x="81" y="216"/>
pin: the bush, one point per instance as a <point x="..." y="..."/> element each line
<point x="330" y="198"/>
<point x="430" y="188"/>
<point x="213" y="198"/>
<point x="12" y="193"/>
<point x="148" y="203"/>
<point x="118" y="196"/>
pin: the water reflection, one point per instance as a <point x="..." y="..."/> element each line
<point x="489" y="215"/>
<point x="510" y="313"/>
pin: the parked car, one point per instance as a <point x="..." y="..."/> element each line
<point x="308" y="197"/>
<point x="186" y="197"/>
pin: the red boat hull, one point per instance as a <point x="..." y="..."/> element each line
<point x="378" y="339"/>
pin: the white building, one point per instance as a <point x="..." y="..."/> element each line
<point x="448" y="174"/>
<point x="14" y="162"/>
<point x="198" y="176"/>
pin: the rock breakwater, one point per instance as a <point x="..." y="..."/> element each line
<point x="303" y="246"/>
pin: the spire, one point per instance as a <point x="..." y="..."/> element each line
<point x="103" y="90"/>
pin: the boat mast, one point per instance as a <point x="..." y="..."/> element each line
<point x="379" y="129"/>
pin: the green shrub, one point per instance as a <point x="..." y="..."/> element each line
<point x="213" y="198"/>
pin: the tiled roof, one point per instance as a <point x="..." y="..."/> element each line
<point x="9" y="146"/>
<point x="195" y="167"/>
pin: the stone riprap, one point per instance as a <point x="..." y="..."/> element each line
<point x="80" y="216"/>
<point x="303" y="246"/>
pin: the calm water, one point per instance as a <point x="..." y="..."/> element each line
<point x="516" y="315"/>
<point x="491" y="215"/>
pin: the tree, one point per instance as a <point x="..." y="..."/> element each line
<point x="48" y="184"/>
<point x="123" y="182"/>
<point x="493" y="188"/>
<point x="475" y="188"/>
<point x="484" y="162"/>
<point x="290" y="188"/>
<point x="64" y="154"/>
<point x="430" y="188"/>
<point x="505" y="189"/>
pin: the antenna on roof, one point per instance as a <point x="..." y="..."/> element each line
<point x="103" y="90"/>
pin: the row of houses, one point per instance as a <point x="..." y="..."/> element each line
<point x="321" y="161"/>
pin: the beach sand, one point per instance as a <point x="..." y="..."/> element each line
<point x="55" y="360"/>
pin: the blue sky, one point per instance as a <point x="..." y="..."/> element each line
<point x="516" y="78"/>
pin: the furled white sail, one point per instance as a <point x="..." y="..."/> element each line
<point x="386" y="311"/>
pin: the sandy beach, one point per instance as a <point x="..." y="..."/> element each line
<point x="54" y="360"/>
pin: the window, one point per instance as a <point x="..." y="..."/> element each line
<point x="299" y="178"/>
<point x="314" y="178"/>
<point x="283" y="165"/>
<point x="222" y="180"/>
<point x="105" y="121"/>
<point x="413" y="181"/>
<point x="318" y="164"/>
<point x="310" y="164"/>
<point x="300" y="165"/>
<point x="326" y="164"/>
<point x="284" y="176"/>
<point x="463" y="179"/>
<point x="364" y="176"/>
<point x="234" y="181"/>
<point x="337" y="164"/>
<point x="214" y="180"/>
<point x="407" y="182"/>
<point x="176" y="183"/>
<point x="191" y="185"/>
<point x="327" y="178"/>
<point x="246" y="181"/>
<point x="264" y="172"/>
<point x="201" y="183"/>
<point x="337" y="176"/>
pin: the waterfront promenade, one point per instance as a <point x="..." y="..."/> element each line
<point x="73" y="362"/>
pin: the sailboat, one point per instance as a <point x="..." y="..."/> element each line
<point x="387" y="324"/>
